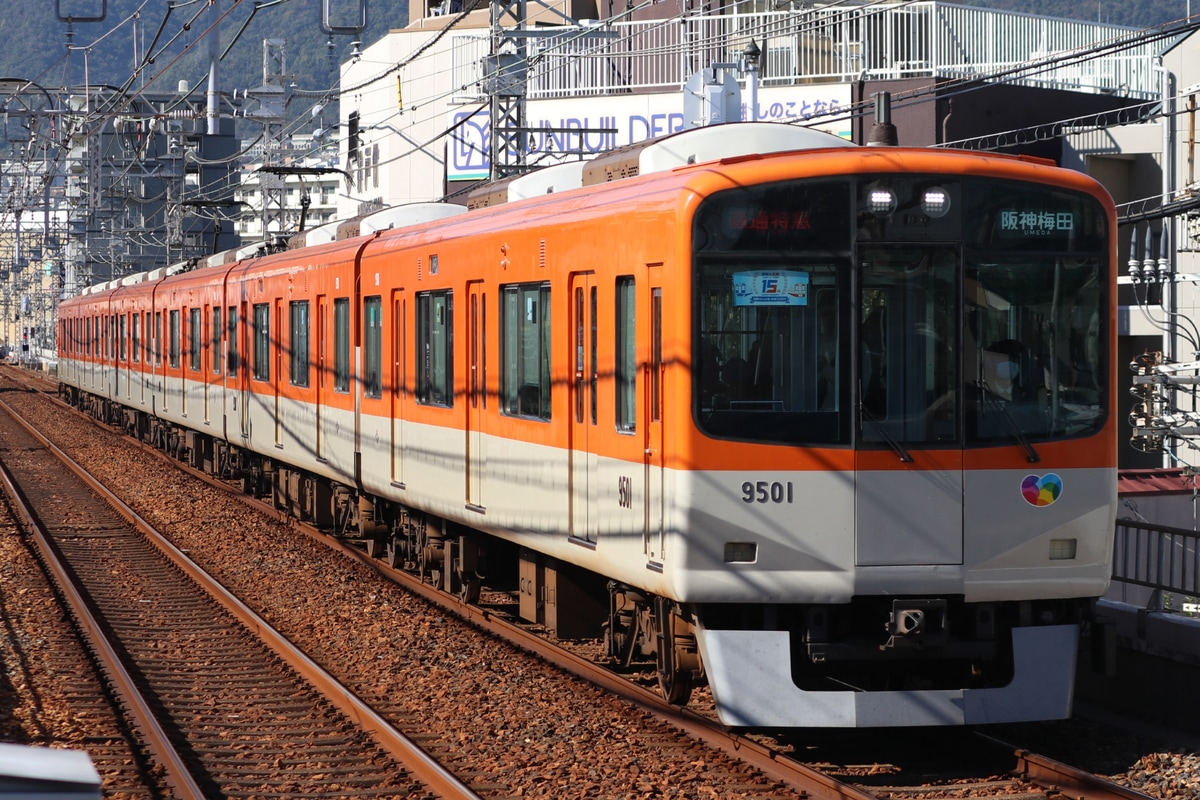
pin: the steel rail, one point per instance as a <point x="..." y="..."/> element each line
<point x="440" y="780"/>
<point x="1064" y="779"/>
<point x="176" y="774"/>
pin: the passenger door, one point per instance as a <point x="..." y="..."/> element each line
<point x="322" y="334"/>
<point x="655" y="528"/>
<point x="476" y="392"/>
<point x="582" y="467"/>
<point x="399" y="390"/>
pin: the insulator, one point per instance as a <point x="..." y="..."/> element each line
<point x="1164" y="259"/>
<point x="1147" y="444"/>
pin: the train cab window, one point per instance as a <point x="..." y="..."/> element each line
<point x="626" y="356"/>
<point x="372" y="346"/>
<point x="195" y="339"/>
<point x="217" y="332"/>
<point x="173" y="340"/>
<point x="262" y="342"/>
<point x="341" y="344"/>
<point x="770" y="369"/>
<point x="136" y="330"/>
<point x="525" y="350"/>
<point x="1035" y="335"/>
<point x="298" y="341"/>
<point x="1034" y="355"/>
<point x="771" y="323"/>
<point x="435" y="348"/>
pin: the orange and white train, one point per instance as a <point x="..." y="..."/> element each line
<point x="828" y="427"/>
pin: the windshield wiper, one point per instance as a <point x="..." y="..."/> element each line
<point x="897" y="448"/>
<point x="1013" y="428"/>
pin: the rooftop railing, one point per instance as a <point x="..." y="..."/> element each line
<point x="824" y="45"/>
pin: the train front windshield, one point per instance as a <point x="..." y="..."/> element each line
<point x="909" y="310"/>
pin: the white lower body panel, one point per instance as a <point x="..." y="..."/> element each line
<point x="750" y="676"/>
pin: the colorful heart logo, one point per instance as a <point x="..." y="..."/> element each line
<point x="1041" y="491"/>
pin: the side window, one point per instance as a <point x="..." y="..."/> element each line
<point x="525" y="350"/>
<point x="299" y="342"/>
<point x="123" y="352"/>
<point x="195" y="339"/>
<point x="136" y="346"/>
<point x="158" y="337"/>
<point x="232" y="339"/>
<point x="217" y="332"/>
<point x="435" y="348"/>
<point x="372" y="346"/>
<point x="173" y="352"/>
<point x="626" y="366"/>
<point x="341" y="344"/>
<point x="262" y="342"/>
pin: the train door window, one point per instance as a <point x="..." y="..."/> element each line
<point x="656" y="355"/>
<point x="435" y="348"/>
<point x="909" y="354"/>
<point x="341" y="344"/>
<point x="123" y="352"/>
<point x="173" y="341"/>
<point x="157" y="338"/>
<point x="525" y="350"/>
<point x="231" y="358"/>
<point x="87" y="336"/>
<point x="217" y="332"/>
<point x="262" y="341"/>
<point x="135" y="347"/>
<point x="195" y="339"/>
<point x="593" y="378"/>
<point x="299" y="342"/>
<point x="372" y="346"/>
<point x="626" y="356"/>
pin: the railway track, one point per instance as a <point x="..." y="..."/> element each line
<point x="218" y="713"/>
<point x="752" y="766"/>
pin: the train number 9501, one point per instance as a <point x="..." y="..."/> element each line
<point x="767" y="492"/>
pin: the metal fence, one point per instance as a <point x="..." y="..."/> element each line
<point x="822" y="45"/>
<point x="1158" y="557"/>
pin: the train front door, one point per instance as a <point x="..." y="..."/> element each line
<point x="583" y="489"/>
<point x="909" y="460"/>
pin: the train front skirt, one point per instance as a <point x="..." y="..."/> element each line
<point x="749" y="672"/>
